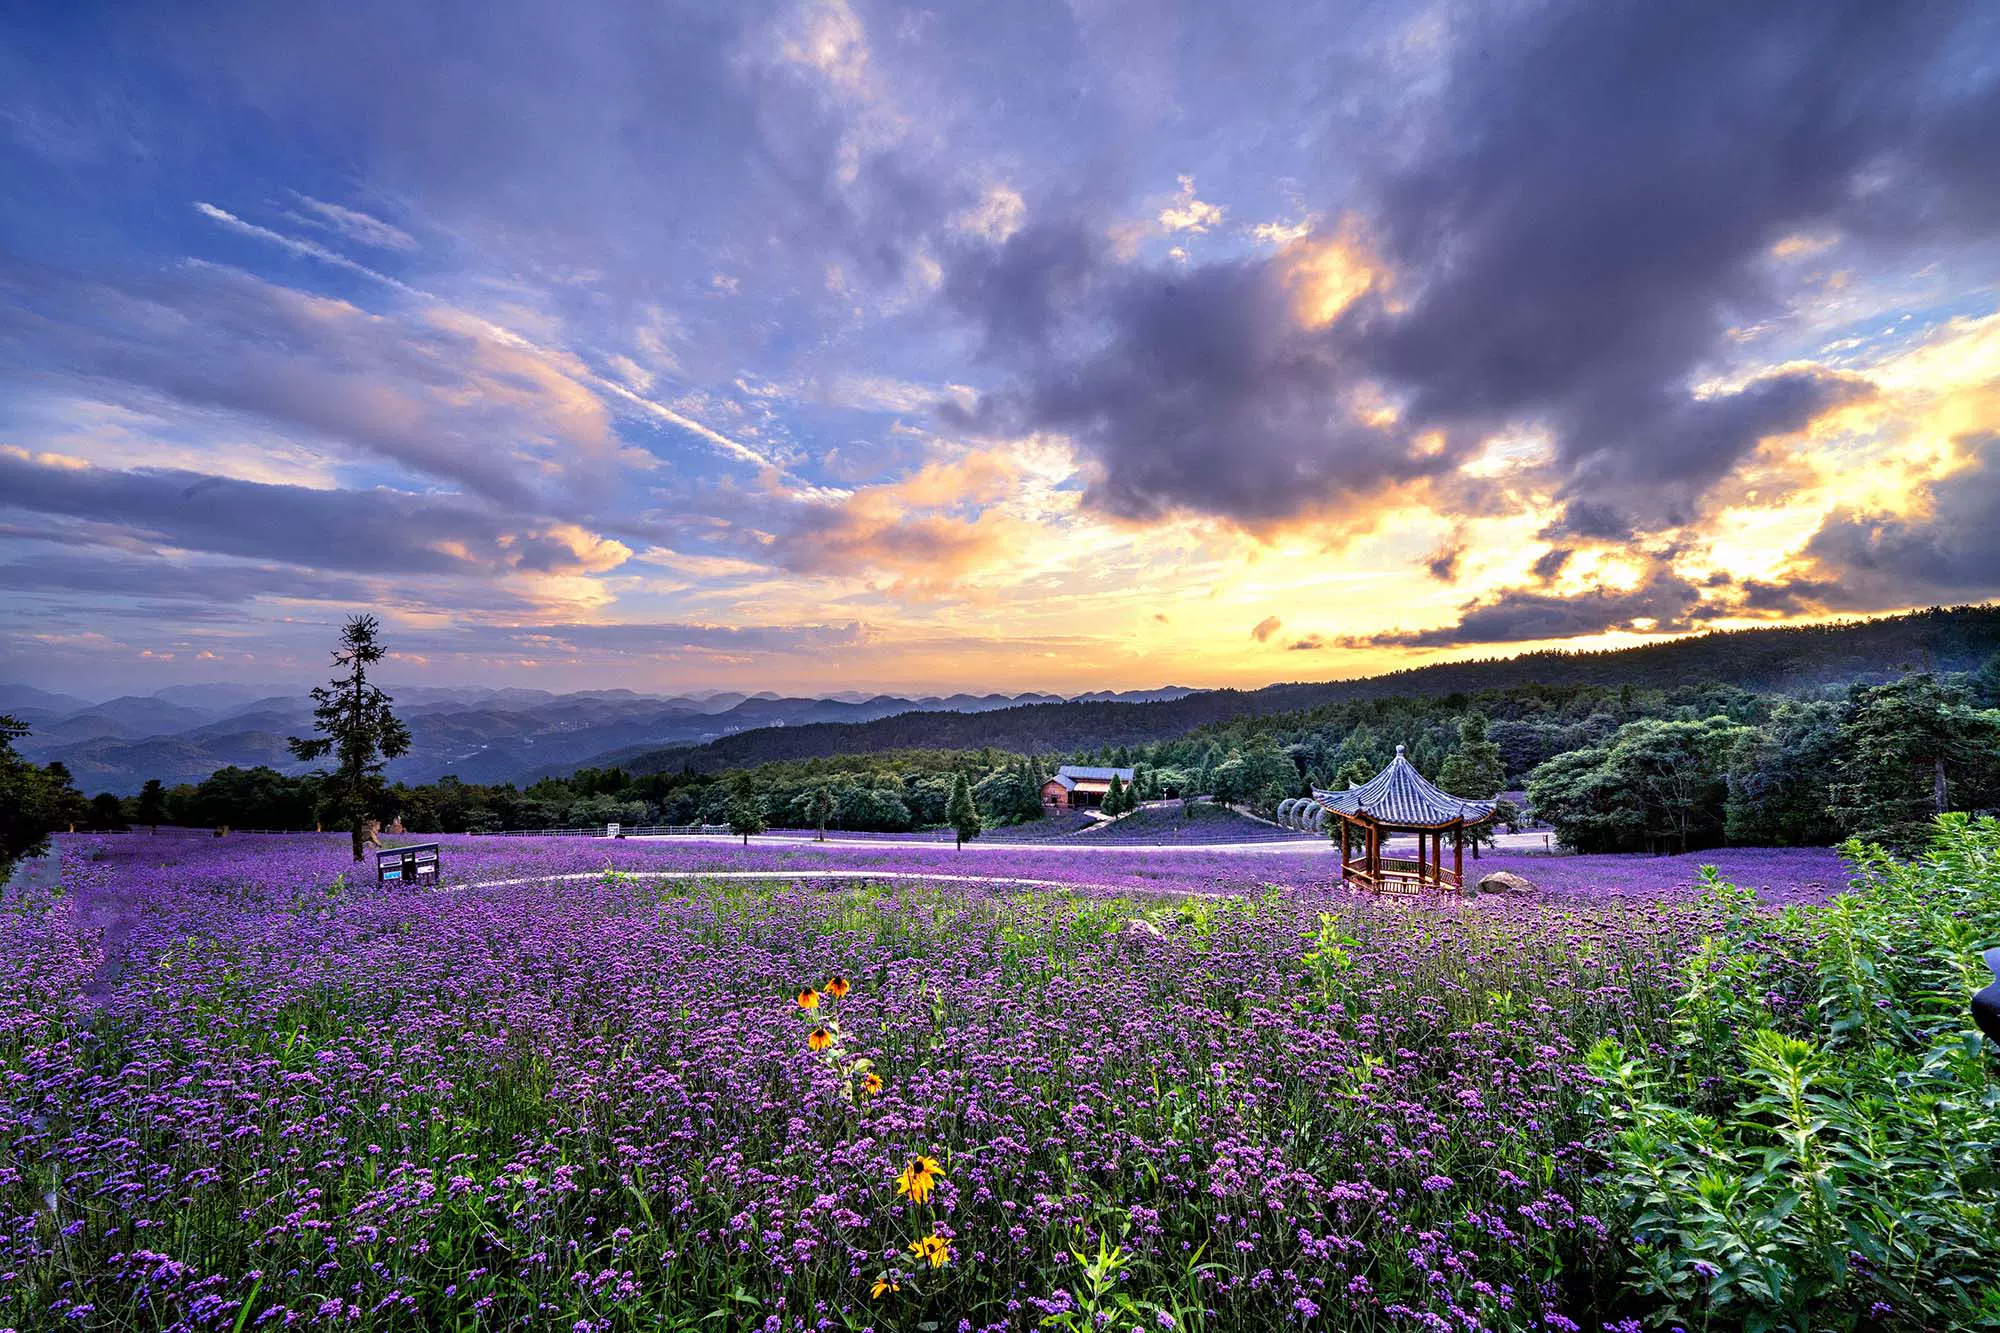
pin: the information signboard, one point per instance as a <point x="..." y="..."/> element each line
<point x="416" y="864"/>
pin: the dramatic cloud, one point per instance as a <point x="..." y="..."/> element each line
<point x="934" y="526"/>
<point x="1579" y="224"/>
<point x="1442" y="564"/>
<point x="1221" y="390"/>
<point x="1652" y="473"/>
<point x="1663" y="601"/>
<point x="434" y="391"/>
<point x="202" y="582"/>
<point x="386" y="532"/>
<point x="1947" y="549"/>
<point x="1597" y="188"/>
<point x="1550" y="562"/>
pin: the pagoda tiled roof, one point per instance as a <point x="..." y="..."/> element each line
<point x="1401" y="797"/>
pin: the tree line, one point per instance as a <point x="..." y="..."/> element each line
<point x="1608" y="768"/>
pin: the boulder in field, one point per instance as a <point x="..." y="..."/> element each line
<point x="1138" y="932"/>
<point x="1507" y="882"/>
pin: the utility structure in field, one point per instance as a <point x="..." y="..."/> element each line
<point x="1397" y="800"/>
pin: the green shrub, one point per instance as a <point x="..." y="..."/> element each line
<point x="1817" y="1149"/>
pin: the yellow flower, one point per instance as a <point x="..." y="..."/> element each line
<point x="883" y="1284"/>
<point x="819" y="1039"/>
<point x="933" y="1248"/>
<point x="871" y="1085"/>
<point x="919" y="1178"/>
<point x="809" y="999"/>
<point x="836" y="986"/>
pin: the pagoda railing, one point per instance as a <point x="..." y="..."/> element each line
<point x="1399" y="874"/>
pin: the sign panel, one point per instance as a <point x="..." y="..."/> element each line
<point x="416" y="864"/>
<point x="611" y="831"/>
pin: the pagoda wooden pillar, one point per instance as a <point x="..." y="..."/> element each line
<point x="1343" y="849"/>
<point x="1458" y="853"/>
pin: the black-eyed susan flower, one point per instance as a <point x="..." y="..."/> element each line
<point x="836" y="986"/>
<point x="871" y="1084"/>
<point x="819" y="1039"/>
<point x="934" y="1250"/>
<point x="919" y="1178"/>
<point x="808" y="999"/>
<point x="883" y="1284"/>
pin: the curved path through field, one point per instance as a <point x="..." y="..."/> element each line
<point x="822" y="874"/>
<point x="1292" y="846"/>
<point x="1280" y="847"/>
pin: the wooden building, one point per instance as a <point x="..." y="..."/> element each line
<point x="1075" y="787"/>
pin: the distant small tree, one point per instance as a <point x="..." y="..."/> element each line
<point x="1474" y="770"/>
<point x="962" y="814"/>
<point x="1114" y="797"/>
<point x="819" y="808"/>
<point x="355" y="724"/>
<point x="106" y="811"/>
<point x="746" y="812"/>
<point x="745" y="818"/>
<point x="152" y="804"/>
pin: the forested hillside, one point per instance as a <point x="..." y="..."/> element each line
<point x="1764" y="660"/>
<point x="1872" y="730"/>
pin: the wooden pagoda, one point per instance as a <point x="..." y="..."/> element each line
<point x="1400" y="800"/>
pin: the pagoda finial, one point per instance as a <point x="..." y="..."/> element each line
<point x="1399" y="752"/>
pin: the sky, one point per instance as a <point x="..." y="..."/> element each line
<point x="827" y="345"/>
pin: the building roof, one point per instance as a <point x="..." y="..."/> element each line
<point x="1076" y="777"/>
<point x="1401" y="796"/>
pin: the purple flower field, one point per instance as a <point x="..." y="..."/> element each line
<point x="1192" y="1091"/>
<point x="305" y="862"/>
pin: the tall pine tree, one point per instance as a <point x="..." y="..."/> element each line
<point x="355" y="725"/>
<point x="961" y="813"/>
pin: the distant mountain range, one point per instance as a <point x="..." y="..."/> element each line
<point x="185" y="732"/>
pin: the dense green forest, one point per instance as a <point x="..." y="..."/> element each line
<point x="1650" y="764"/>
<point x="1765" y="661"/>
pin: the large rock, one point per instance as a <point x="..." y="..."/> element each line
<point x="1138" y="933"/>
<point x="1506" y="881"/>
